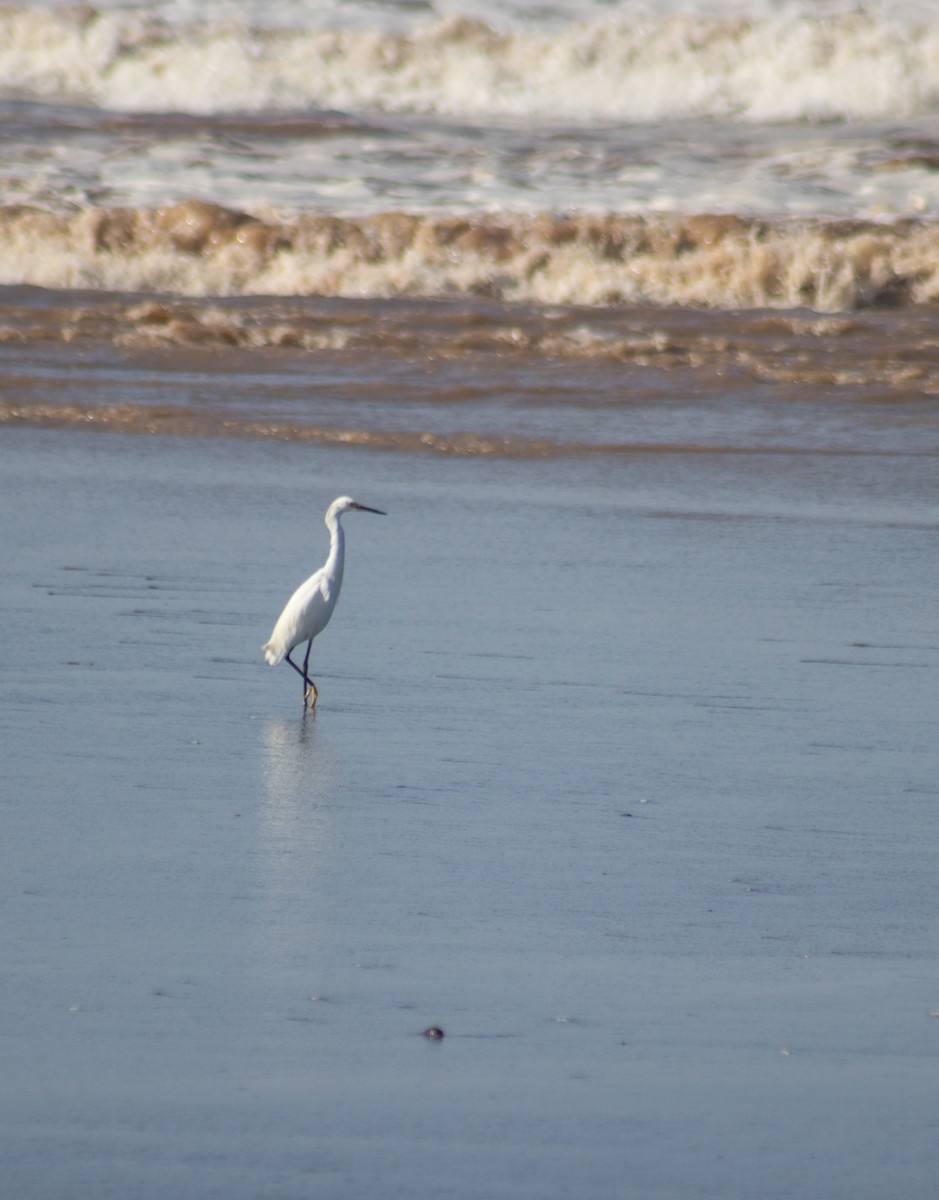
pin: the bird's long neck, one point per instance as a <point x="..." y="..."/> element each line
<point x="337" y="551"/>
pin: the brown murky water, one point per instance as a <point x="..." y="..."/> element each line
<point x="473" y="377"/>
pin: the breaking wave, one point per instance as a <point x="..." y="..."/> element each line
<point x="199" y="249"/>
<point x="781" y="65"/>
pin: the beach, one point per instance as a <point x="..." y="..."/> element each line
<point x="635" y="800"/>
<point x="605" y="865"/>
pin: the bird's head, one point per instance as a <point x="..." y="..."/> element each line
<point x="346" y="504"/>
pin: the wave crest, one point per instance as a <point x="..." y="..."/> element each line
<point x="776" y="67"/>
<point x="199" y="249"/>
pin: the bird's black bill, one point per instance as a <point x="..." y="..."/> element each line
<point x="365" y="508"/>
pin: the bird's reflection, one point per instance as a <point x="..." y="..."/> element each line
<point x="295" y="819"/>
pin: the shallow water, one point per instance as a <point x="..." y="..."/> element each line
<point x="480" y="378"/>
<point x="624" y="774"/>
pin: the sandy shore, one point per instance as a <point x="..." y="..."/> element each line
<point x="624" y="775"/>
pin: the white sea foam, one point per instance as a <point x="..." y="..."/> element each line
<point x="433" y="167"/>
<point x="780" y="63"/>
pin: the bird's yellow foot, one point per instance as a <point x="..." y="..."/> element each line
<point x="309" y="696"/>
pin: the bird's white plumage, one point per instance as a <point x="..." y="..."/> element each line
<point x="308" y="610"/>
<point x="305" y="615"/>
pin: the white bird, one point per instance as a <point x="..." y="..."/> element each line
<point x="308" y="610"/>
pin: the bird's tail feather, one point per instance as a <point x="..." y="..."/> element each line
<point x="273" y="654"/>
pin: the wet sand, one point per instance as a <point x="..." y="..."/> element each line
<point x="624" y="776"/>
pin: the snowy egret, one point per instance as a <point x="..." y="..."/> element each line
<point x="308" y="610"/>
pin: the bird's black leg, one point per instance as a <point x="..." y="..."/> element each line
<point x="310" y="685"/>
<point x="311" y="688"/>
<point x="302" y="674"/>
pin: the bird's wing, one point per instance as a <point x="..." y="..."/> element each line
<point x="302" y="617"/>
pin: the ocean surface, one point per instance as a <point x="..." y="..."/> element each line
<point x="772" y="154"/>
<point x="624" y="770"/>
<point x="657" y="199"/>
